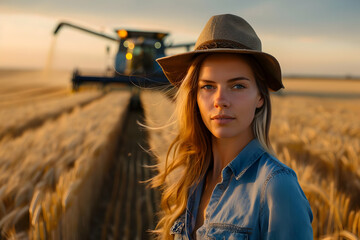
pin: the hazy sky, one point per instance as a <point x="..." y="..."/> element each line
<point x="307" y="37"/>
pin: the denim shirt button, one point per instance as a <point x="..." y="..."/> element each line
<point x="178" y="226"/>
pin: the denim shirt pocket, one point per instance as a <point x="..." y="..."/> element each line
<point x="220" y="231"/>
<point x="178" y="228"/>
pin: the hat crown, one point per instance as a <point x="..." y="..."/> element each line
<point x="229" y="28"/>
<point x="224" y="34"/>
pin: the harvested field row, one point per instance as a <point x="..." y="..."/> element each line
<point x="127" y="207"/>
<point x="51" y="177"/>
<point x="14" y="121"/>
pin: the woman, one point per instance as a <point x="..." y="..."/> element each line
<point x="227" y="183"/>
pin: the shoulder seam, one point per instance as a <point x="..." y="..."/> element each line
<point x="271" y="176"/>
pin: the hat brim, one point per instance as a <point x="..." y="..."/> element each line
<point x="176" y="66"/>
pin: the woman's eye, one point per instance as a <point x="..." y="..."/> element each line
<point x="207" y="87"/>
<point x="238" y="86"/>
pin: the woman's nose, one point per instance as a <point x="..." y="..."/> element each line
<point x="221" y="99"/>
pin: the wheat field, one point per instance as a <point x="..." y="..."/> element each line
<point x="56" y="147"/>
<point x="54" y="154"/>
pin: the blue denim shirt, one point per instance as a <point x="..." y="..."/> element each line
<point x="258" y="198"/>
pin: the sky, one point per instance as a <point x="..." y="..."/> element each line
<point x="307" y="37"/>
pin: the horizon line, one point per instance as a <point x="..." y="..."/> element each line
<point x="285" y="75"/>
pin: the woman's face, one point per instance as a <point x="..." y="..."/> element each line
<point x="227" y="96"/>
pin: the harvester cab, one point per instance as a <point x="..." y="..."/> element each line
<point x="137" y="52"/>
<point x="134" y="61"/>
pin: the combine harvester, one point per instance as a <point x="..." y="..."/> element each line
<point x="135" y="60"/>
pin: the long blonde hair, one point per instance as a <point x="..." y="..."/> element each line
<point x="190" y="153"/>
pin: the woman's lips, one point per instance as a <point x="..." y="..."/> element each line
<point x="222" y="119"/>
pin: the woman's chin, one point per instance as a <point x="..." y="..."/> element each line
<point x="224" y="134"/>
<point x="231" y="133"/>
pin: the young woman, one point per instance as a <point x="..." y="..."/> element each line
<point x="228" y="183"/>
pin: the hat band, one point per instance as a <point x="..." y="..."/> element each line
<point x="220" y="43"/>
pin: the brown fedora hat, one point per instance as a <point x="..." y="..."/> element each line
<point x="224" y="34"/>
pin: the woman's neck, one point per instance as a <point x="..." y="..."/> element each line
<point x="225" y="150"/>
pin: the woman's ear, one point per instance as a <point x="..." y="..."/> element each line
<point x="260" y="102"/>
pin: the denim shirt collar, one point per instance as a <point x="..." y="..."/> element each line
<point x="252" y="151"/>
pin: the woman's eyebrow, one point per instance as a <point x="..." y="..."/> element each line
<point x="238" y="78"/>
<point x="229" y="80"/>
